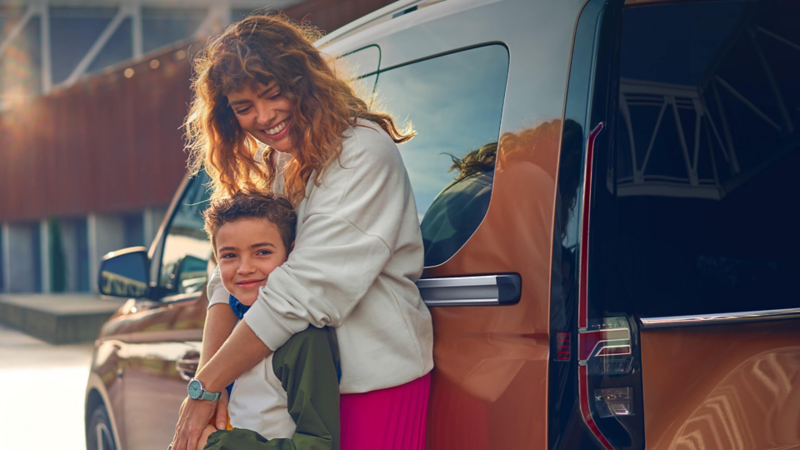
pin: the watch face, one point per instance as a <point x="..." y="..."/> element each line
<point x="195" y="389"/>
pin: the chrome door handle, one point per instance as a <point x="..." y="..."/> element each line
<point x="484" y="290"/>
<point x="187" y="366"/>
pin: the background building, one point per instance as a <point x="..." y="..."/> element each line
<point x="92" y="97"/>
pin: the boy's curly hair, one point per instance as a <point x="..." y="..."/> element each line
<point x="252" y="205"/>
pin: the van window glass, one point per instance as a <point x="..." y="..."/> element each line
<point x="454" y="103"/>
<point x="364" y="88"/>
<point x="187" y="258"/>
<point x="362" y="62"/>
<point x="706" y="158"/>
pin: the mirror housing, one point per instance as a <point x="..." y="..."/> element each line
<point x="125" y="273"/>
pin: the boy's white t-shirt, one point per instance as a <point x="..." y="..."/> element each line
<point x="258" y="402"/>
<point x="357" y="255"/>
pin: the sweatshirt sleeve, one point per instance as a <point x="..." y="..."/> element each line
<point x="332" y="267"/>
<point x="215" y="291"/>
<point x="351" y="226"/>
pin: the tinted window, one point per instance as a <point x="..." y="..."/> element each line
<point x="118" y="48"/>
<point x="455" y="104"/>
<point x="707" y="156"/>
<point x="185" y="263"/>
<point x="362" y="62"/>
<point x="72" y="33"/>
<point x="163" y="26"/>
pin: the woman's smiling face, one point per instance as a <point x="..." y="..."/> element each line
<point x="265" y="113"/>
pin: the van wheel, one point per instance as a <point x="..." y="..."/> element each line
<point x="98" y="432"/>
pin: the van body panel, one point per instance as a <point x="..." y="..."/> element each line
<point x="491" y="363"/>
<point x="724" y="386"/>
<point x="103" y="381"/>
<point x="141" y="346"/>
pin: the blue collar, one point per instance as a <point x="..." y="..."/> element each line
<point x="238" y="307"/>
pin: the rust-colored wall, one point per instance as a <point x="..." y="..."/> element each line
<point x="108" y="144"/>
<point x="113" y="143"/>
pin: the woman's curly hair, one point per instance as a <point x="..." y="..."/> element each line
<point x="263" y="49"/>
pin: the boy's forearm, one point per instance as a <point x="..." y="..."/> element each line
<point x="220" y="321"/>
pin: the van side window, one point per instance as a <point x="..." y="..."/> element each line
<point x="187" y="257"/>
<point x="454" y="103"/>
<point x="707" y="156"/>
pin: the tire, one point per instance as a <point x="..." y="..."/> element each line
<point x="99" y="434"/>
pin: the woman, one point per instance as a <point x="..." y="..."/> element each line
<point x="358" y="250"/>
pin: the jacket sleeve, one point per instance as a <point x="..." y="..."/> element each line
<point x="352" y="223"/>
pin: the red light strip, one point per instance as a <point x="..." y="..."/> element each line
<point x="586" y="412"/>
<point x="563" y="346"/>
<point x="583" y="304"/>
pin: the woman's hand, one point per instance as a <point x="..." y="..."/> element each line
<point x="194" y="416"/>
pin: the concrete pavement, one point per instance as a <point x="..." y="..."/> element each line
<point x="43" y="392"/>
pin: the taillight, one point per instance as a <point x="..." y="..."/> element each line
<point x="613" y="402"/>
<point x="605" y="347"/>
<point x="604" y="350"/>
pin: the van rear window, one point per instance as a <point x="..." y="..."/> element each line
<point x="454" y="103"/>
<point x="706" y="158"/>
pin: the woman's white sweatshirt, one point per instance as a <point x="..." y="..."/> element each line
<point x="357" y="254"/>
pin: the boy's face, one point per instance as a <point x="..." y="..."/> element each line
<point x="248" y="250"/>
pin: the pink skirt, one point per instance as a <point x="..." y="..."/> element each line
<point x="387" y="419"/>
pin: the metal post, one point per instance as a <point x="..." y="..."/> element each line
<point x="136" y="26"/>
<point x="47" y="66"/>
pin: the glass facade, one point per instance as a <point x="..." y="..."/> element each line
<point x="85" y="37"/>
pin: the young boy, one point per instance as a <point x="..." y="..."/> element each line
<point x="291" y="400"/>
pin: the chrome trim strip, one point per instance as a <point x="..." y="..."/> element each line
<point x="487" y="290"/>
<point x="463" y="302"/>
<point x="653" y="323"/>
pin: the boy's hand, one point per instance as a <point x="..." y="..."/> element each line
<point x="221" y="415"/>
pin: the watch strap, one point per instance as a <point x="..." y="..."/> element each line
<point x="209" y="396"/>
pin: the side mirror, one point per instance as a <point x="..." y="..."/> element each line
<point x="125" y="273"/>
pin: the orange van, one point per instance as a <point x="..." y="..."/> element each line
<point x="605" y="191"/>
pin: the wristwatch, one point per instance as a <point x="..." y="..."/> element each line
<point x="197" y="392"/>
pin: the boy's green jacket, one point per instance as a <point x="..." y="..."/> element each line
<point x="307" y="367"/>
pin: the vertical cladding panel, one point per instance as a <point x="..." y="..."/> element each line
<point x="108" y="144"/>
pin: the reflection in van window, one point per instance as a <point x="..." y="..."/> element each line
<point x="706" y="158"/>
<point x="455" y="104"/>
<point x="187" y="257"/>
